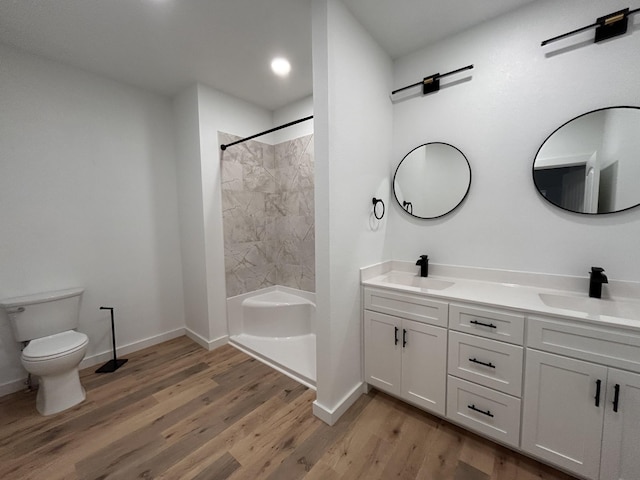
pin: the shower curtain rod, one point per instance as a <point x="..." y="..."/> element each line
<point x="224" y="147"/>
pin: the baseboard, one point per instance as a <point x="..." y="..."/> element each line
<point x="13" y="386"/>
<point x="131" y="347"/>
<point x="330" y="417"/>
<point x="204" y="343"/>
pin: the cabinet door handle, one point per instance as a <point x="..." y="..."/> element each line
<point x="597" y="397"/>
<point x="490" y="325"/>
<point x="395" y="335"/>
<point x="404" y="338"/>
<point x="474" y="360"/>
<point x="616" y="397"/>
<point x="475" y="409"/>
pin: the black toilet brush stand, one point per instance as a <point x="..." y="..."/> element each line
<point x="112" y="365"/>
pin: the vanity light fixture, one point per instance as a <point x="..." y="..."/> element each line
<point x="608" y="26"/>
<point x="432" y="83"/>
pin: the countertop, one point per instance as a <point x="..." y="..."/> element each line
<point x="519" y="291"/>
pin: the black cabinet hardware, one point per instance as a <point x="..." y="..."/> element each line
<point x="404" y="338"/>
<point x="474" y="408"/>
<point x="616" y="397"/>
<point x="395" y="335"/>
<point x="597" y="397"/>
<point x="490" y="325"/>
<point x="490" y="365"/>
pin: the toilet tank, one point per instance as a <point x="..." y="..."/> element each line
<point x="42" y="314"/>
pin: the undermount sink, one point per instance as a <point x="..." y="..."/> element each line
<point x="593" y="306"/>
<point x="411" y="280"/>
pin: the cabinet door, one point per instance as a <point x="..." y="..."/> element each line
<point x="424" y="365"/>
<point x="561" y="422"/>
<point x="382" y="351"/>
<point x="621" y="437"/>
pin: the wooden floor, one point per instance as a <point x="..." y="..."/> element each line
<point x="176" y="411"/>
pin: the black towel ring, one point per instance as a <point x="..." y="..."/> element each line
<point x="375" y="204"/>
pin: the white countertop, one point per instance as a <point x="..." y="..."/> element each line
<point x="513" y="290"/>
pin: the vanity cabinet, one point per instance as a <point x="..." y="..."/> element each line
<point x="562" y="388"/>
<point x="582" y="415"/>
<point x="405" y="357"/>
<point x="485" y="372"/>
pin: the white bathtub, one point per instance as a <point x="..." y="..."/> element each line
<point x="277" y="314"/>
<point x="277" y="325"/>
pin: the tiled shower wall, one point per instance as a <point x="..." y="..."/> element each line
<point x="268" y="214"/>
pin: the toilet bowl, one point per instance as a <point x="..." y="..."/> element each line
<point x="46" y="323"/>
<point x="55" y="359"/>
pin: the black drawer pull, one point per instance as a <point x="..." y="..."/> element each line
<point x="404" y="338"/>
<point x="597" y="397"/>
<point x="490" y="365"/>
<point x="487" y="413"/>
<point x="490" y="325"/>
<point x="395" y="335"/>
<point x="616" y="397"/>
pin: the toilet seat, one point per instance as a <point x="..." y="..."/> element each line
<point x="54" y="346"/>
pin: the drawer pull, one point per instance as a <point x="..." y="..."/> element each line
<point x="597" y="397"/>
<point x="395" y="335"/>
<point x="616" y="397"/>
<point x="490" y="325"/>
<point x="490" y="365"/>
<point x="487" y="413"/>
<point x="404" y="338"/>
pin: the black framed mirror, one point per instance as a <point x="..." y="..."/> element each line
<point x="432" y="180"/>
<point x="591" y="164"/>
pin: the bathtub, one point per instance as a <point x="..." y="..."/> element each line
<point x="277" y="326"/>
<point x="277" y="314"/>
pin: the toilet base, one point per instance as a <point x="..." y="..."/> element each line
<point x="59" y="392"/>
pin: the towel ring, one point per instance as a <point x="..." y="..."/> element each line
<point x="375" y="204"/>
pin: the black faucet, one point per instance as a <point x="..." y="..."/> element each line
<point x="424" y="265"/>
<point x="596" y="281"/>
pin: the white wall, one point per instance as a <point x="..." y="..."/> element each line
<point x="518" y="94"/>
<point x="191" y="213"/>
<point x="220" y="112"/>
<point x="353" y="143"/>
<point x="294" y="111"/>
<point x="87" y="198"/>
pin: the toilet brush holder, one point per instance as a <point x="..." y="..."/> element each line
<point x="115" y="363"/>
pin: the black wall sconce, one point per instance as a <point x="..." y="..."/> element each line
<point x="432" y="83"/>
<point x="608" y="26"/>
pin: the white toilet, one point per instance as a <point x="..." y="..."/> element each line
<point x="47" y="321"/>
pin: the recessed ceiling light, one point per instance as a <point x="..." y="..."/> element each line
<point x="281" y="66"/>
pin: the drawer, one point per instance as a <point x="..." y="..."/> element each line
<point x="413" y="307"/>
<point x="610" y="346"/>
<point x="495" y="324"/>
<point x="493" y="364"/>
<point x="484" y="410"/>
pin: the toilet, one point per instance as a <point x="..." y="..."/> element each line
<point x="47" y="321"/>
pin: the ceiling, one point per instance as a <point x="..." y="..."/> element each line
<point x="167" y="45"/>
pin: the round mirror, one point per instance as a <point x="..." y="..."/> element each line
<point x="591" y="164"/>
<point x="432" y="180"/>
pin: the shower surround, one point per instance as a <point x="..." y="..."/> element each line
<point x="268" y="214"/>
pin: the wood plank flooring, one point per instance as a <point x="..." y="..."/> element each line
<point x="177" y="411"/>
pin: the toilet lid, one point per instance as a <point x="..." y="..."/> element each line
<point x="54" y="345"/>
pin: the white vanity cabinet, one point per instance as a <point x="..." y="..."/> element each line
<point x="485" y="372"/>
<point x="403" y="356"/>
<point x="582" y="413"/>
<point x="560" y="385"/>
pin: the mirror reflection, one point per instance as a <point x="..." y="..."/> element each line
<point x="591" y="164"/>
<point x="432" y="180"/>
